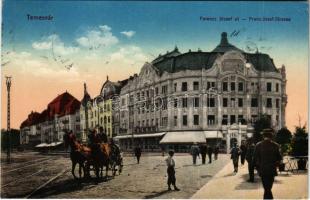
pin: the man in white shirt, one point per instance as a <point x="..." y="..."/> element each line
<point x="170" y="170"/>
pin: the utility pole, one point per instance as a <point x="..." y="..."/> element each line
<point x="8" y="86"/>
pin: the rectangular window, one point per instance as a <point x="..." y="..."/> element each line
<point x="175" y="121"/>
<point x="175" y="87"/>
<point x="165" y="103"/>
<point x="175" y="103"/>
<point x="184" y="102"/>
<point x="225" y="86"/>
<point x="232" y="102"/>
<point x="225" y="102"/>
<point x="184" y="86"/>
<point x="254" y="102"/>
<point x="211" y="119"/>
<point x="210" y="85"/>
<point x="156" y="91"/>
<point x="184" y="120"/>
<point x="225" y="120"/>
<point x="277" y="103"/>
<point x="232" y="86"/>
<point x="210" y="102"/>
<point x="232" y="119"/>
<point x="196" y="102"/>
<point x="269" y="86"/>
<point x="164" y="89"/>
<point x="277" y="87"/>
<point x="196" y="119"/>
<point x="240" y="86"/>
<point x="240" y="102"/>
<point x="240" y="118"/>
<point x="196" y="85"/>
<point x="269" y="103"/>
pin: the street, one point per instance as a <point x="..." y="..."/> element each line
<point x="148" y="179"/>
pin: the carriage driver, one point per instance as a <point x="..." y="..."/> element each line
<point x="94" y="141"/>
<point x="102" y="135"/>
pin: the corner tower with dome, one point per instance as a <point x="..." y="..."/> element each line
<point x="181" y="98"/>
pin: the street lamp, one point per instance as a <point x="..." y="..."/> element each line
<point x="8" y="87"/>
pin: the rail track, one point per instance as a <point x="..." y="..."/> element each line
<point x="27" y="178"/>
<point x="37" y="162"/>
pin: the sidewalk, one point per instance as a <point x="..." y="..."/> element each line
<point x="226" y="185"/>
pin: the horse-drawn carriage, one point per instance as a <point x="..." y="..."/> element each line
<point x="94" y="157"/>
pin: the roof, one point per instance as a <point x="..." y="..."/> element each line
<point x="109" y="88"/>
<point x="184" y="137"/>
<point x="63" y="104"/>
<point x="174" y="62"/>
<point x="225" y="45"/>
<point x="173" y="53"/>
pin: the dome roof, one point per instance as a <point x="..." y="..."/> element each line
<point x="204" y="60"/>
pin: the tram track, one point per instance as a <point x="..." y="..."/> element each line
<point x="20" y="179"/>
<point x="37" y="162"/>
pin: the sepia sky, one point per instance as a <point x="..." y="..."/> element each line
<point x="86" y="41"/>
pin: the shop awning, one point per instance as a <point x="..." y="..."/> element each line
<point x="41" y="145"/>
<point x="213" y="134"/>
<point x="53" y="144"/>
<point x="140" y="135"/>
<point x="184" y="137"/>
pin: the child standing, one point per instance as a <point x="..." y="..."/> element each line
<point x="170" y="170"/>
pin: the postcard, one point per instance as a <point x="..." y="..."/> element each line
<point x="154" y="99"/>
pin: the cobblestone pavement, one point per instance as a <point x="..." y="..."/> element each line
<point x="145" y="180"/>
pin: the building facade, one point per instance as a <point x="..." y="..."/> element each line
<point x="48" y="127"/>
<point x="181" y="98"/>
<point x="98" y="112"/>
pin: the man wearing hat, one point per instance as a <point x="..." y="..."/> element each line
<point x="266" y="158"/>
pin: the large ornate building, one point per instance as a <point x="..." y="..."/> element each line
<point x="181" y="98"/>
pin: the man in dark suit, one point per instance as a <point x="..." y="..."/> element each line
<point x="210" y="151"/>
<point x="203" y="151"/>
<point x="266" y="158"/>
<point x="249" y="158"/>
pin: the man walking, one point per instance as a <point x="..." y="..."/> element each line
<point x="138" y="152"/>
<point x="203" y="152"/>
<point x="216" y="152"/>
<point x="210" y="151"/>
<point x="195" y="152"/>
<point x="249" y="158"/>
<point x="171" y="171"/>
<point x="243" y="152"/>
<point x="266" y="158"/>
<point x="235" y="153"/>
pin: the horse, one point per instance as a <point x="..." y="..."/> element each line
<point x="79" y="153"/>
<point x="100" y="158"/>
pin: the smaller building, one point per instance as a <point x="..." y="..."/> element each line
<point x="49" y="126"/>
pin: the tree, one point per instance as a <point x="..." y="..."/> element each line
<point x="15" y="138"/>
<point x="283" y="138"/>
<point x="262" y="123"/>
<point x="300" y="141"/>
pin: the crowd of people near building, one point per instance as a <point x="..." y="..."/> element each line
<point x="203" y="149"/>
